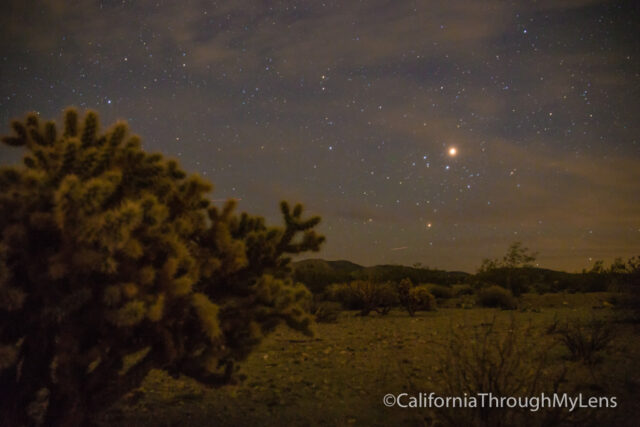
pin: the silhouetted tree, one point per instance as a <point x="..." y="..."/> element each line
<point x="512" y="271"/>
<point x="516" y="257"/>
<point x="113" y="262"/>
<point x="598" y="267"/>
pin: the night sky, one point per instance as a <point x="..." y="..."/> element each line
<point x="352" y="108"/>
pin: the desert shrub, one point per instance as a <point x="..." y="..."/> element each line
<point x="464" y="289"/>
<point x="517" y="280"/>
<point x="326" y="311"/>
<point x="343" y="294"/>
<point x="630" y="287"/>
<point x="365" y="296"/>
<point x="378" y="297"/>
<point x="496" y="296"/>
<point x="414" y="298"/>
<point x="420" y="298"/>
<point x="557" y="286"/>
<point x="542" y="288"/>
<point x="440" y="291"/>
<point x="107" y="251"/>
<point x="503" y="358"/>
<point x="403" y="287"/>
<point x="585" y="341"/>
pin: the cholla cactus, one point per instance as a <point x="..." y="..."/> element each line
<point x="107" y="251"/>
<point x="415" y="298"/>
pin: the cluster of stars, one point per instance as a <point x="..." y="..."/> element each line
<point x="384" y="127"/>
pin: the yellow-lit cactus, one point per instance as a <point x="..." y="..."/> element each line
<point x="107" y="251"/>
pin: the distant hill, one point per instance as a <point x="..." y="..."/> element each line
<point x="319" y="273"/>
<point x="328" y="266"/>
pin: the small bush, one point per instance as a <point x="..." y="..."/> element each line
<point x="460" y="290"/>
<point x="543" y="288"/>
<point x="501" y="359"/>
<point x="403" y="288"/>
<point x="585" y="341"/>
<point x="343" y="294"/>
<point x="496" y="296"/>
<point x="365" y="296"/>
<point x="422" y="299"/>
<point x="414" y="298"/>
<point x="440" y="291"/>
<point x="326" y="311"/>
